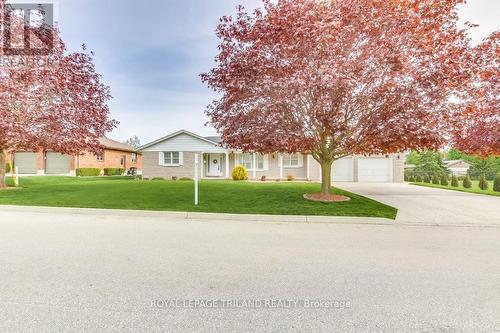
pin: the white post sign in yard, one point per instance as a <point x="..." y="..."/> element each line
<point x="196" y="163"/>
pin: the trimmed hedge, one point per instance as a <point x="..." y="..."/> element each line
<point x="496" y="184"/>
<point x="483" y="183"/>
<point x="467" y="182"/>
<point x="444" y="180"/>
<point x="239" y="173"/>
<point x="88" y="172"/>
<point x="427" y="179"/>
<point x="436" y="180"/>
<point x="454" y="181"/>
<point x="114" y="171"/>
<point x="418" y="179"/>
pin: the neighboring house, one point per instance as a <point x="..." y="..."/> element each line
<point x="174" y="156"/>
<point x="457" y="167"/>
<point x="115" y="155"/>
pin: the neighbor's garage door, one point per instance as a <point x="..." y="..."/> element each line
<point x="57" y="164"/>
<point x="342" y="170"/>
<point x="26" y="163"/>
<point x="375" y="169"/>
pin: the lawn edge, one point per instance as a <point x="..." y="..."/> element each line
<point x="202" y="215"/>
<point x="455" y="189"/>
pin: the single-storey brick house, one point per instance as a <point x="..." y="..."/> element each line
<point x="115" y="155"/>
<point x="174" y="156"/>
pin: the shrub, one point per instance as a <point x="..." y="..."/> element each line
<point x="411" y="179"/>
<point x="444" y="180"/>
<point x="406" y="177"/>
<point x="454" y="181"/>
<point x="7" y="167"/>
<point x="290" y="178"/>
<point x="435" y="179"/>
<point x="263" y="178"/>
<point x="427" y="179"/>
<point x="483" y="183"/>
<point x="88" y="172"/>
<point x="418" y="179"/>
<point x="185" y="179"/>
<point x="239" y="173"/>
<point x="157" y="178"/>
<point x="174" y="178"/>
<point x="113" y="171"/>
<point x="496" y="183"/>
<point x="467" y="183"/>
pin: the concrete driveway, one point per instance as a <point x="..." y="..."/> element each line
<point x="431" y="206"/>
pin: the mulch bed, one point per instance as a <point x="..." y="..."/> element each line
<point x="326" y="197"/>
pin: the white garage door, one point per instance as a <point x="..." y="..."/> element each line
<point x="342" y="170"/>
<point x="375" y="169"/>
<point x="26" y="163"/>
<point x="57" y="164"/>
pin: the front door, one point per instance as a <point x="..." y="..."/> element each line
<point x="214" y="165"/>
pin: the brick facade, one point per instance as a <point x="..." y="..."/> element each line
<point x="112" y="159"/>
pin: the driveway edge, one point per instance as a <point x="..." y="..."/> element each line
<point x="201" y="215"/>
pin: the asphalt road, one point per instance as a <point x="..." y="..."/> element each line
<point x="74" y="272"/>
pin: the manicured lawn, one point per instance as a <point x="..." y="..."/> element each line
<point x="474" y="189"/>
<point x="215" y="196"/>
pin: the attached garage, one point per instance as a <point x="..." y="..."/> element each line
<point x="57" y="164"/>
<point x="26" y="163"/>
<point x="343" y="170"/>
<point x="372" y="169"/>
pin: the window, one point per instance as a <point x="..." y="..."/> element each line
<point x="134" y="157"/>
<point x="171" y="158"/>
<point x="292" y="160"/>
<point x="246" y="160"/>
<point x="100" y="157"/>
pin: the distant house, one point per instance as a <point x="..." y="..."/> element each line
<point x="457" y="167"/>
<point x="174" y="156"/>
<point x="114" y="155"/>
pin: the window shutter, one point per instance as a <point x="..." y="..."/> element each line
<point x="266" y="162"/>
<point x="161" y="158"/>
<point x="181" y="158"/>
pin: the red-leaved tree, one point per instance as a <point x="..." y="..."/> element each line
<point x="50" y="102"/>
<point x="477" y="125"/>
<point x="336" y="78"/>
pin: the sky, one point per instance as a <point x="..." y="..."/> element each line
<point x="151" y="52"/>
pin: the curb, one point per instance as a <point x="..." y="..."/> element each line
<point x="201" y="215"/>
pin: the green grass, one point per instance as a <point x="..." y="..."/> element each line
<point x="474" y="189"/>
<point x="274" y="198"/>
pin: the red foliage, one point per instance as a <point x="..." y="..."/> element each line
<point x="340" y="77"/>
<point x="52" y="102"/>
<point x="477" y="127"/>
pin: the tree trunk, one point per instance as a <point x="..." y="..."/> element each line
<point x="326" y="173"/>
<point x="3" y="159"/>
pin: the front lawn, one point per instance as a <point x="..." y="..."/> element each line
<point x="274" y="198"/>
<point x="474" y="189"/>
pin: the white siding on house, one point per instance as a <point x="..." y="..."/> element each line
<point x="186" y="143"/>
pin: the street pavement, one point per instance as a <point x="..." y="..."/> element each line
<point x="67" y="271"/>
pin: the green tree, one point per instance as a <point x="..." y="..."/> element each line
<point x="430" y="162"/>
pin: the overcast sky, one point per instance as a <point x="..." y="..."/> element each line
<point x="151" y="52"/>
